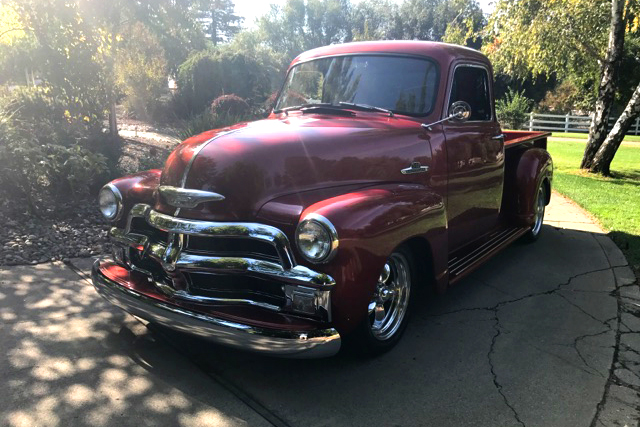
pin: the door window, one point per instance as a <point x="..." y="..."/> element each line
<point x="471" y="84"/>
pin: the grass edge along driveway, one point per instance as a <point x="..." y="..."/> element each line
<point x="614" y="201"/>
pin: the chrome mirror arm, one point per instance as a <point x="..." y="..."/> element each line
<point x="429" y="125"/>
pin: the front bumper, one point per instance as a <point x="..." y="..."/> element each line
<point x="118" y="286"/>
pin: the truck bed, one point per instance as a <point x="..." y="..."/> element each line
<point x="514" y="138"/>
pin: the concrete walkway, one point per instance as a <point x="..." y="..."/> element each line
<point x="543" y="335"/>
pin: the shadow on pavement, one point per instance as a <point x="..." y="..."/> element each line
<point x="527" y="339"/>
<point x="71" y="359"/>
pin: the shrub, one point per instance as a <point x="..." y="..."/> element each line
<point x="513" y="109"/>
<point x="229" y="105"/>
<point x="43" y="152"/>
<point x="206" y="75"/>
<point x="207" y="121"/>
<point x="270" y="103"/>
<point x="141" y="71"/>
<point x="47" y="176"/>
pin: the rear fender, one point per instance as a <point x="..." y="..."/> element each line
<point x="535" y="166"/>
<point x="371" y="223"/>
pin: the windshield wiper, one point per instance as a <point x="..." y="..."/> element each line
<point x="311" y="104"/>
<point x="367" y="107"/>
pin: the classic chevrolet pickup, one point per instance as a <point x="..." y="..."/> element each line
<point x="381" y="171"/>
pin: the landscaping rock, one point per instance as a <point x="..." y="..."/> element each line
<point x="27" y="239"/>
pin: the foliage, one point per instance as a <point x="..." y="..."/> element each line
<point x="513" y="109"/>
<point x="45" y="115"/>
<point x="206" y="121"/>
<point x="45" y="174"/>
<point x="300" y="25"/>
<point x="562" y="36"/>
<point x="209" y="74"/>
<point x="141" y="70"/>
<point x="563" y="99"/>
<point x="273" y="64"/>
<point x="229" y="104"/>
<point x="222" y="23"/>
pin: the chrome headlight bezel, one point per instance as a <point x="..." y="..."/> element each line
<point x="112" y="191"/>
<point x="330" y="231"/>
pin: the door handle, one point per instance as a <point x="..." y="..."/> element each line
<point x="415" y="168"/>
<point x="497" y="137"/>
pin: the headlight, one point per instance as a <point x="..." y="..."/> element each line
<point x="317" y="238"/>
<point x="110" y="202"/>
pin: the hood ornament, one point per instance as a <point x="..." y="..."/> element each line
<point x="187" y="198"/>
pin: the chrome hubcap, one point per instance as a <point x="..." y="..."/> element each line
<point x="391" y="298"/>
<point x="539" y="211"/>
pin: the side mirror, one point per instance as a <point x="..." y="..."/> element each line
<point x="460" y="111"/>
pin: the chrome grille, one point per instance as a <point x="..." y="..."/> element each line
<point x="220" y="263"/>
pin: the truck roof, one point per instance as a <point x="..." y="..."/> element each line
<point x="444" y="53"/>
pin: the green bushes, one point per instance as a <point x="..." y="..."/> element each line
<point x="207" y="75"/>
<point x="44" y="151"/>
<point x="141" y="71"/>
<point x="513" y="109"/>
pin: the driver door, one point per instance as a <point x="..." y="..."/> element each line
<point x="475" y="158"/>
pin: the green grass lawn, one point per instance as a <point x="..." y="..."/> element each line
<point x="614" y="201"/>
<point x="628" y="138"/>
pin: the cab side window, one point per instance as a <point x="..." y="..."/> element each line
<point x="471" y="84"/>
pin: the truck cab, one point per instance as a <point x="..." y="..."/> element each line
<point x="381" y="170"/>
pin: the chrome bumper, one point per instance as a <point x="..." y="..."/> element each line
<point x="307" y="292"/>
<point x="308" y="344"/>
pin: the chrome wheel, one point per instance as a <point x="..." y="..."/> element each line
<point x="390" y="301"/>
<point x="539" y="211"/>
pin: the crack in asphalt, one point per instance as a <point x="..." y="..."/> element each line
<point x="494" y="375"/>
<point x="615" y="362"/>
<point x="495" y="308"/>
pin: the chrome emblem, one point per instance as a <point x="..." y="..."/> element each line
<point x="187" y="198"/>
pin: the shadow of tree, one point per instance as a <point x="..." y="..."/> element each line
<point x="71" y="359"/>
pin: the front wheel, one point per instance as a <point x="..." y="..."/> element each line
<point x="539" y="207"/>
<point x="388" y="310"/>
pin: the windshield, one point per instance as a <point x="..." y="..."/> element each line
<point x="401" y="84"/>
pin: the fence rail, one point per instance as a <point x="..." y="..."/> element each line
<point x="569" y="123"/>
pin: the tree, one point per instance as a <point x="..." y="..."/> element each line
<point x="577" y="40"/>
<point x="222" y="23"/>
<point x="605" y="154"/>
<point x="607" y="86"/>
<point x="301" y="25"/>
<point x="141" y="69"/>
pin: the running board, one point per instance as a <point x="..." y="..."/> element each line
<point x="467" y="259"/>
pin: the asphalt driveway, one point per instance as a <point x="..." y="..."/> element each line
<point x="543" y="335"/>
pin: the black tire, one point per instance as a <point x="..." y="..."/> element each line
<point x="391" y="303"/>
<point x="539" y="206"/>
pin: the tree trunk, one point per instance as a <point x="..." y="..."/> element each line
<point x="113" y="122"/>
<point x="214" y="25"/>
<point x="604" y="156"/>
<point x="607" y="87"/>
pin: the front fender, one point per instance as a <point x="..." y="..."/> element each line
<point x="534" y="167"/>
<point x="136" y="188"/>
<point x="371" y="223"/>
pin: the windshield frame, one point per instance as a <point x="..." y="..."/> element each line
<point x="386" y="54"/>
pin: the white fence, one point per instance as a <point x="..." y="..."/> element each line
<point x="569" y="123"/>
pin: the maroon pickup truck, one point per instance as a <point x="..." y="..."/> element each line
<point x="381" y="171"/>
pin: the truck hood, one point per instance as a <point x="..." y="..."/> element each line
<point x="253" y="163"/>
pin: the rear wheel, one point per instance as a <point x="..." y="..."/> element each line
<point x="388" y="310"/>
<point x="539" y="208"/>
